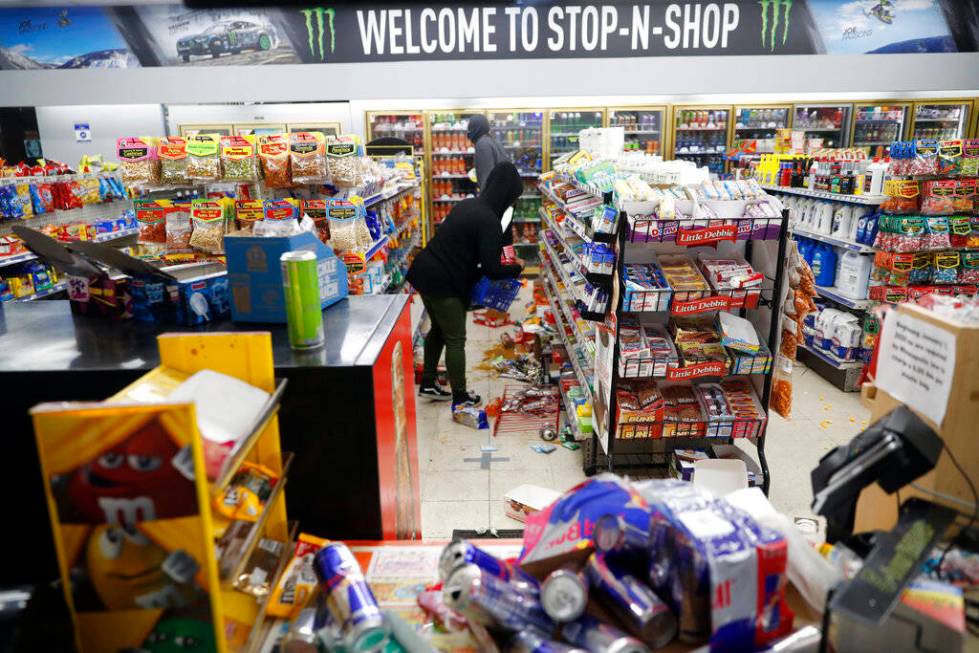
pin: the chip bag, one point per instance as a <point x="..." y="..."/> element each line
<point x="247" y="493"/>
<point x="209" y="225"/>
<point x="138" y="161"/>
<point x="238" y="158"/>
<point x="307" y="152"/>
<point x="273" y="153"/>
<point x="174" y="160"/>
<point x="298" y="581"/>
<point x="203" y="162"/>
<point x="151" y="222"/>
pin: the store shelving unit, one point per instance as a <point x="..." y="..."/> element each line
<point x="701" y="134"/>
<point x="521" y="132"/>
<point x="940" y="119"/>
<point x="642" y="453"/>
<point x="829" y="122"/>
<point x="878" y="124"/>
<point x="564" y="123"/>
<point x="407" y="125"/>
<point x="645" y="127"/>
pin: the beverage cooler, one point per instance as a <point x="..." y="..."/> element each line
<point x="563" y="127"/>
<point x="451" y="159"/>
<point x="825" y="125"/>
<point x="876" y="126"/>
<point x="644" y="127"/>
<point x="755" y="128"/>
<point x="407" y="125"/>
<point x="941" y="120"/>
<point x="521" y="133"/>
<point x="700" y="134"/>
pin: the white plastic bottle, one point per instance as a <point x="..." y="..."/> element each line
<point x="874" y="179"/>
<point x="853" y="275"/>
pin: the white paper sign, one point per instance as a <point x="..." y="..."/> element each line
<point x="916" y="363"/>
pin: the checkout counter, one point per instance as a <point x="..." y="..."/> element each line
<point x="348" y="414"/>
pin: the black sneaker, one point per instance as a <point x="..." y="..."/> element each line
<point x="469" y="399"/>
<point x="434" y="392"/>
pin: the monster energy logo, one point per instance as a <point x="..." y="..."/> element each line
<point x="780" y="9"/>
<point x="315" y="31"/>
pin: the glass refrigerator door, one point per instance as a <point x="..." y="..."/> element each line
<point x="408" y="127"/>
<point x="825" y="125"/>
<point x="755" y="127"/>
<point x="700" y="135"/>
<point x="452" y="159"/>
<point x="643" y="128"/>
<point x="876" y="126"/>
<point x="521" y="133"/>
<point x="940" y="121"/>
<point x="564" y="128"/>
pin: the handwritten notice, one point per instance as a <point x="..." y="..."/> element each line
<point x="916" y="363"/>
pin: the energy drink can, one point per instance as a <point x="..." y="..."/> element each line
<point x="491" y="601"/>
<point x="642" y="612"/>
<point x="349" y="599"/>
<point x="301" y="637"/>
<point x="598" y="637"/>
<point x="461" y="553"/>
<point x="301" y="285"/>
<point x="564" y="595"/>
<point x="614" y="533"/>
<point x="528" y="642"/>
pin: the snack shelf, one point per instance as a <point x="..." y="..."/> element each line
<point x="56" y="288"/>
<point x="698" y="302"/>
<point x="831" y="294"/>
<point x="574" y="224"/>
<point x="571" y="418"/>
<point x="116" y="235"/>
<point x="572" y="355"/>
<point x="839" y="242"/>
<point x="260" y="627"/>
<point x="872" y="200"/>
<point x="384" y="197"/>
<point x="629" y="368"/>
<point x="376" y="247"/>
<point x="562" y="306"/>
<point x="696" y="434"/>
<point x="695" y="232"/>
<point x="229" y="573"/>
<point x="17" y="258"/>
<point x="832" y="360"/>
<point x="562" y="273"/>
<point x="594" y="278"/>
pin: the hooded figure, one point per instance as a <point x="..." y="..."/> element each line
<point x="466" y="246"/>
<point x="488" y="151"/>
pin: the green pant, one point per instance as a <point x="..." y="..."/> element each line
<point x="448" y="317"/>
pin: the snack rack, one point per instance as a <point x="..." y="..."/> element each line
<point x="188" y="528"/>
<point x="644" y="445"/>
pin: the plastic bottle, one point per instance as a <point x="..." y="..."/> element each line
<point x="874" y="179"/>
<point x="854" y="275"/>
<point x="824" y="264"/>
<point x="870" y="229"/>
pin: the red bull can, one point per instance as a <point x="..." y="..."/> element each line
<point x="598" y="637"/>
<point x="349" y="599"/>
<point x="462" y="553"/>
<point x="564" y="595"/>
<point x="491" y="601"/>
<point x="528" y="642"/>
<point x="301" y="286"/>
<point x="643" y="613"/>
<point x="614" y="533"/>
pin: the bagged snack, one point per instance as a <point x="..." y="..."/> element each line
<point x="316" y="210"/>
<point x="246" y="495"/>
<point x="238" y="158"/>
<point x="151" y="221"/>
<point x="172" y="152"/>
<point x="939" y="197"/>
<point x="178" y="229"/>
<point x="203" y="162"/>
<point x="280" y="217"/>
<point x="298" y="582"/>
<point x="950" y="158"/>
<point x="965" y="196"/>
<point x="307" y="152"/>
<point x="273" y="152"/>
<point x="256" y="578"/>
<point x="348" y="230"/>
<point x="926" y="158"/>
<point x="247" y="213"/>
<point x="209" y="226"/>
<point x="138" y="161"/>
<point x="471" y="416"/>
<point x="902" y="197"/>
<point x="969" y="166"/>
<point x="343" y="159"/>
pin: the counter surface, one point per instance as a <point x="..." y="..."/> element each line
<point x="45" y="336"/>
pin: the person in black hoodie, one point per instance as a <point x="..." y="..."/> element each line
<point x="488" y="151"/>
<point x="466" y="246"/>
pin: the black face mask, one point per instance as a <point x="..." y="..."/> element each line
<point x="503" y="187"/>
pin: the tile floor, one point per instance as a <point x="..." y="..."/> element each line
<point x="462" y="486"/>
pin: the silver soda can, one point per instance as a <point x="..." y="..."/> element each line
<point x="461" y="553"/>
<point x="491" y="601"/>
<point x="598" y="637"/>
<point x="564" y="595"/>
<point x="349" y="598"/>
<point x="529" y="642"/>
<point x="643" y="613"/>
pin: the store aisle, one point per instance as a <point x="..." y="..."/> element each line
<point x="465" y="473"/>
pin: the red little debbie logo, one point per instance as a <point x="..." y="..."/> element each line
<point x="703" y="305"/>
<point x="700" y="370"/>
<point x="706" y="235"/>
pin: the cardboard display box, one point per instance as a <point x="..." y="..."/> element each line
<point x="255" y="274"/>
